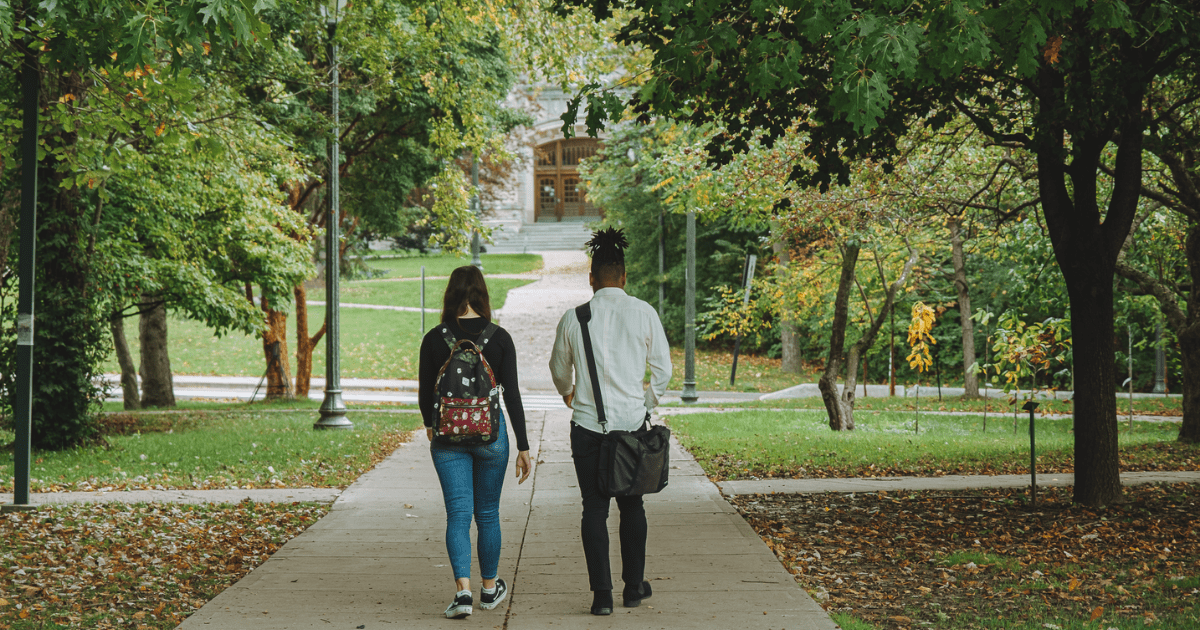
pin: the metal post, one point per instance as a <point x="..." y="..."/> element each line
<point x="22" y="417"/>
<point x="1129" y="328"/>
<point x="747" y="279"/>
<point x="662" y="246"/>
<point x="917" y="404"/>
<point x="422" y="299"/>
<point x="1030" y="406"/>
<point x="892" y="354"/>
<point x="689" y="315"/>
<point x="1160" y="360"/>
<point x="476" y="209"/>
<point x="333" y="409"/>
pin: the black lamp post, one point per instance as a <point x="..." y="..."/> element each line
<point x="333" y="409"/>
<point x="23" y="387"/>
<point x="689" y="394"/>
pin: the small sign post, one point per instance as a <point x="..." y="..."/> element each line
<point x="1030" y="406"/>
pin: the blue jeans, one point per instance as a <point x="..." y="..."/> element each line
<point x="471" y="478"/>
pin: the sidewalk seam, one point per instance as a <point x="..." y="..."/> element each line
<point x="525" y="531"/>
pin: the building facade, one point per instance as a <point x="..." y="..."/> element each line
<point x="546" y="186"/>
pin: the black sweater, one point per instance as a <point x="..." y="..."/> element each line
<point x="500" y="354"/>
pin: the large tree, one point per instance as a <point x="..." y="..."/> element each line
<point x="1064" y="79"/>
<point x="73" y="47"/>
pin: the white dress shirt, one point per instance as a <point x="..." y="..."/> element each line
<point x="627" y="336"/>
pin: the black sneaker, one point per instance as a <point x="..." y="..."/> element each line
<point x="460" y="608"/>
<point x="633" y="596"/>
<point x="488" y="601"/>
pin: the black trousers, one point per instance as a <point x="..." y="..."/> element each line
<point x="585" y="450"/>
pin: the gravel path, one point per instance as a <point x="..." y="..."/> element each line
<point x="531" y="314"/>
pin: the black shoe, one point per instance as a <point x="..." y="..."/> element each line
<point x="489" y="601"/>
<point x="602" y="603"/>
<point x="461" y="607"/>
<point x="633" y="596"/>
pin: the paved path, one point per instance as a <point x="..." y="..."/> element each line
<point x="378" y="559"/>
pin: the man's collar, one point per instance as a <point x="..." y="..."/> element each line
<point x="609" y="291"/>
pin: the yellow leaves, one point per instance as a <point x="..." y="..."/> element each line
<point x="1051" y="50"/>
<point x="66" y="98"/>
<point x="207" y="48"/>
<point x="158" y="131"/>
<point x="919" y="337"/>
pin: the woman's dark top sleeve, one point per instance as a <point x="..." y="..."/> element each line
<point x="500" y="353"/>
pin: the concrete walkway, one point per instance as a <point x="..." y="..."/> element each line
<point x="378" y="559"/>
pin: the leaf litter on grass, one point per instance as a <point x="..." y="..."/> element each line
<point x="113" y="464"/>
<point x="987" y="559"/>
<point x="146" y="566"/>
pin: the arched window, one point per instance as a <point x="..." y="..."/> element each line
<point x="559" y="194"/>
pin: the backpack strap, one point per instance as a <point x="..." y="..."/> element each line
<point x="448" y="336"/>
<point x="486" y="335"/>
<point x="583" y="313"/>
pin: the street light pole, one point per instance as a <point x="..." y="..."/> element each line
<point x="689" y="315"/>
<point x="476" y="208"/>
<point x="333" y="409"/>
<point x="23" y="388"/>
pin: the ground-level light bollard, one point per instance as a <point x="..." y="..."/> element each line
<point x="1030" y="406"/>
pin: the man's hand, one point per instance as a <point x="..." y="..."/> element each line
<point x="568" y="399"/>
<point x="524" y="466"/>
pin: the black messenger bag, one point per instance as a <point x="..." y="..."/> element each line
<point x="631" y="462"/>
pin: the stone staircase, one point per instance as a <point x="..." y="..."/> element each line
<point x="540" y="237"/>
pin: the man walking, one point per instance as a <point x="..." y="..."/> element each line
<point x="626" y="336"/>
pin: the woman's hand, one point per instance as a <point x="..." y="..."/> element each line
<point x="524" y="466"/>
<point x="429" y="433"/>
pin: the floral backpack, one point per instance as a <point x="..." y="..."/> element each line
<point x="468" y="403"/>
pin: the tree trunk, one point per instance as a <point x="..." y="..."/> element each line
<point x="1189" y="343"/>
<point x="840" y="408"/>
<point x="970" y="379"/>
<point x="1097" y="463"/>
<point x="1189" y="431"/>
<point x="158" y="387"/>
<point x="304" y="344"/>
<point x="788" y="337"/>
<point x="276" y="353"/>
<point x="129" y="381"/>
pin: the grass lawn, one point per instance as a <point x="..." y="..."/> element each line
<point x="375" y="344"/>
<point x="208" y="450"/>
<point x="1141" y="406"/>
<point x="442" y="265"/>
<point x="408" y="292"/>
<point x="799" y="444"/>
<point x="133" y="566"/>
<point x="986" y="560"/>
<point x="755" y="373"/>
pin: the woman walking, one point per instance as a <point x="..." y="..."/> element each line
<point x="471" y="472"/>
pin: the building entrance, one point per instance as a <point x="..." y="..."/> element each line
<point x="559" y="196"/>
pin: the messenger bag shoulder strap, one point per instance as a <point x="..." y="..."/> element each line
<point x="583" y="313"/>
